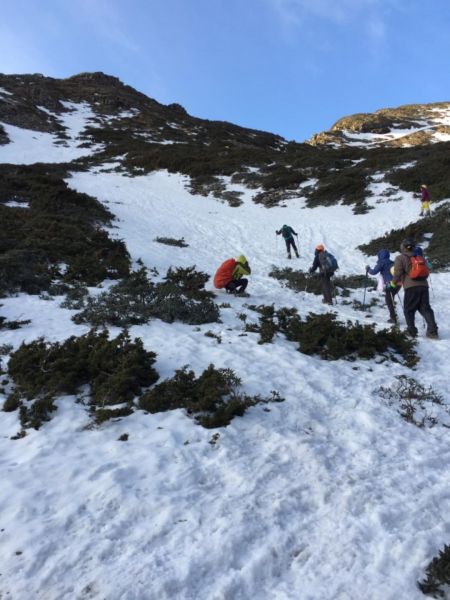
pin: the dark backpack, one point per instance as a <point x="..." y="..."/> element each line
<point x="418" y="268"/>
<point x="329" y="264"/>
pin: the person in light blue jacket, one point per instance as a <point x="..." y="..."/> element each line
<point x="383" y="266"/>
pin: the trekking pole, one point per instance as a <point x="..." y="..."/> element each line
<point x="431" y="286"/>
<point x="365" y="288"/>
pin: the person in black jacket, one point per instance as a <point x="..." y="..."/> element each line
<point x="288" y="235"/>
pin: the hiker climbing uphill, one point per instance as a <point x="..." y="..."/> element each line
<point x="288" y="235"/>
<point x="383" y="266"/>
<point x="411" y="270"/>
<point x="230" y="275"/>
<point x="425" y="201"/>
<point x="327" y="265"/>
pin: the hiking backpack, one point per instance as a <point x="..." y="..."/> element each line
<point x="224" y="273"/>
<point x="418" y="268"/>
<point x="330" y="264"/>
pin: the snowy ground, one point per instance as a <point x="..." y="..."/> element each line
<point x="329" y="496"/>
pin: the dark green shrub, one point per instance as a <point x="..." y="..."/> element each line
<point x="37" y="413"/>
<point x="115" y="370"/>
<point x="100" y="415"/>
<point x="58" y="226"/>
<point x="179" y="297"/>
<point x="213" y="399"/>
<point x="438" y="250"/>
<point x="4" y="324"/>
<point x="12" y="403"/>
<point x="437" y="575"/>
<point x="172" y="242"/>
<point x="75" y="297"/>
<point x="297" y="280"/>
<point x="330" y="339"/>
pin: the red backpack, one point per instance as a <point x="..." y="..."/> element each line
<point x="224" y="273"/>
<point x="418" y="268"/>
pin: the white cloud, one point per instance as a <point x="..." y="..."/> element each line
<point x="370" y="15"/>
<point x="106" y="20"/>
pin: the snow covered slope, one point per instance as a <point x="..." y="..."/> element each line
<point x="328" y="495"/>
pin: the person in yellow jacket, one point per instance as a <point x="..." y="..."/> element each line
<point x="238" y="283"/>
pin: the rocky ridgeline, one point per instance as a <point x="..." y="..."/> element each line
<point x="422" y="121"/>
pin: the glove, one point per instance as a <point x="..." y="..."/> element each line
<point x="392" y="284"/>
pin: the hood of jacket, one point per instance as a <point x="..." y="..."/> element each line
<point x="241" y="259"/>
<point x="383" y="255"/>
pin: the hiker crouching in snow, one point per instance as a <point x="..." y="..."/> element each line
<point x="327" y="264"/>
<point x="238" y="283"/>
<point x="383" y="266"/>
<point x="288" y="235"/>
<point x="415" y="284"/>
<point x="230" y="275"/>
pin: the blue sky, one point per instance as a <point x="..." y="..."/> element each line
<point x="291" y="67"/>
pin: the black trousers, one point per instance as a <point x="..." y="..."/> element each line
<point x="326" y="288"/>
<point x="389" y="296"/>
<point x="417" y="298"/>
<point x="290" y="242"/>
<point x="236" y="285"/>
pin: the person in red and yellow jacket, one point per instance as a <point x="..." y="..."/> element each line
<point x="238" y="283"/>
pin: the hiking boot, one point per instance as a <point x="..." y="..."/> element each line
<point x="432" y="335"/>
<point x="297" y="255"/>
<point x="411" y="334"/>
<point x="289" y="256"/>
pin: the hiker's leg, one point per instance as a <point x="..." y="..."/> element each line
<point x="231" y="287"/>
<point x="288" y="247"/>
<point x="426" y="311"/>
<point x="389" y="297"/>
<point x="411" y="303"/>
<point x="241" y="285"/>
<point x="294" y="247"/>
<point x="326" y="289"/>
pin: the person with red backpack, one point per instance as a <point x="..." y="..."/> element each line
<point x="411" y="271"/>
<point x="230" y="275"/>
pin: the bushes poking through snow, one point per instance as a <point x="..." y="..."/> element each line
<point x="181" y="243"/>
<point x="330" y="339"/>
<point x="60" y="226"/>
<point x="438" y="249"/>
<point x="416" y="403"/>
<point x="4" y="324"/>
<point x="111" y="374"/>
<point x="115" y="371"/>
<point x="300" y="281"/>
<point x="213" y="399"/>
<point x="136" y="299"/>
<point x="437" y="580"/>
<point x="297" y="280"/>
